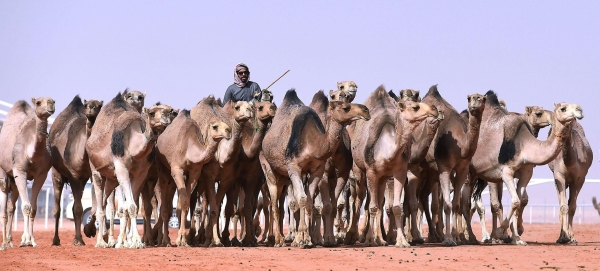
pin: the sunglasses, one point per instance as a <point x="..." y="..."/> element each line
<point x="246" y="73"/>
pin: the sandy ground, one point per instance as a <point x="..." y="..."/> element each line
<point x="542" y="253"/>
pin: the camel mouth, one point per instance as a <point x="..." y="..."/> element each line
<point x="352" y="92"/>
<point x="50" y="112"/>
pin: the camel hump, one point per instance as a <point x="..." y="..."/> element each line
<point x="300" y="121"/>
<point x="21" y="107"/>
<point x="320" y="102"/>
<point x="492" y="98"/>
<point x="291" y="98"/>
<point x="185" y="113"/>
<point x="124" y="121"/>
<point x="393" y="95"/>
<point x="433" y="92"/>
<point x="377" y="126"/>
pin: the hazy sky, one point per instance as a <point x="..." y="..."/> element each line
<point x="529" y="52"/>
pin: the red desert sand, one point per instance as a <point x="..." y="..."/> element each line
<point x="542" y="253"/>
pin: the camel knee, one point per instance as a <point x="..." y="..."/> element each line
<point x="327" y="208"/>
<point x="26" y="209"/>
<point x="57" y="211"/>
<point x="496" y="207"/>
<point x="77" y="211"/>
<point x="397" y="209"/>
<point x="516" y="204"/>
<point x="414" y="206"/>
<point x="564" y="209"/>
<point x="447" y="207"/>
<point x="132" y="210"/>
<point x="524" y="201"/>
<point x="373" y="210"/>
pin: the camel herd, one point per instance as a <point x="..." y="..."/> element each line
<point x="396" y="152"/>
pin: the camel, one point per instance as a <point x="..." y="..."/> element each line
<point x="70" y="164"/>
<point x="595" y="204"/>
<point x="349" y="88"/>
<point x="570" y="168"/>
<point x="118" y="149"/>
<point x="222" y="168"/>
<point x="135" y="98"/>
<point x="24" y="156"/>
<point x="248" y="173"/>
<point x="305" y="147"/>
<point x="182" y="149"/>
<point x="537" y="118"/>
<point x="507" y="149"/>
<point x="379" y="151"/>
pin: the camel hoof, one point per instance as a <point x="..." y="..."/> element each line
<point x="402" y="244"/>
<point x="213" y="244"/>
<point x="485" y="239"/>
<point x="25" y="244"/>
<point x="56" y="241"/>
<point x="449" y="243"/>
<point x="182" y="244"/>
<point x="76" y="243"/>
<point x="563" y="240"/>
<point x="90" y="230"/>
<point x="351" y="238"/>
<point x="102" y="244"/>
<point x="417" y="241"/>
<point x="235" y="242"/>
<point x="289" y="238"/>
<point x="519" y="242"/>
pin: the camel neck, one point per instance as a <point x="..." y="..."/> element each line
<point x="404" y="130"/>
<point x="332" y="133"/>
<point x="89" y="124"/>
<point x="470" y="144"/>
<point x="423" y="140"/>
<point x="41" y="137"/>
<point x="259" y="131"/>
<point x="542" y="152"/>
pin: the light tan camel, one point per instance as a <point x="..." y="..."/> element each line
<point x="570" y="168"/>
<point x="349" y="88"/>
<point x="135" y="98"/>
<point x="118" y="149"/>
<point x="507" y="149"/>
<point x="182" y="149"/>
<point x="305" y="147"/>
<point x="70" y="163"/>
<point x="24" y="156"/>
<point x="249" y="175"/>
<point x="222" y="168"/>
<point x="537" y="118"/>
<point x="448" y="158"/>
<point x="380" y="150"/>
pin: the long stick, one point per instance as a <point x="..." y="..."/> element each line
<point x="276" y="80"/>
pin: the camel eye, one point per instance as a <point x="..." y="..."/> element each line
<point x="260" y="108"/>
<point x="479" y="98"/>
<point x="341" y="87"/>
<point x="333" y="97"/>
<point x="564" y="109"/>
<point x="416" y="108"/>
<point x="151" y="114"/>
<point x="539" y="115"/>
<point x="38" y="103"/>
<point x="215" y="127"/>
<point x="237" y="107"/>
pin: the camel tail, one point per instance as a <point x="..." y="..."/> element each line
<point x="478" y="189"/>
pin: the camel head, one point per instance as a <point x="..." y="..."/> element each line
<point x="263" y="96"/>
<point x="135" y="98"/>
<point x="537" y="117"/>
<point x="502" y="103"/>
<point x="241" y="111"/>
<point x="566" y="113"/>
<point x="410" y="95"/>
<point x="345" y="113"/>
<point x="159" y="117"/>
<point x="339" y="96"/>
<point x="92" y="108"/>
<point x="174" y="114"/>
<point x="219" y="130"/>
<point x="349" y="87"/>
<point x="265" y="110"/>
<point x="44" y="107"/>
<point x="439" y="118"/>
<point x="476" y="104"/>
<point x="416" y="112"/>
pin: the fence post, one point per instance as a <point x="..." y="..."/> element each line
<point x="47" y="196"/>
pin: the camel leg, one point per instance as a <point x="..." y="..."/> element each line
<point x="183" y="191"/>
<point x="58" y="183"/>
<point x="230" y="207"/>
<point x="256" y="219"/>
<point x="275" y="188"/>
<point x="111" y="213"/>
<point x="328" y="214"/>
<point x="437" y="209"/>
<point x="4" y="191"/>
<point x="99" y="183"/>
<point x="77" y="187"/>
<point x="559" y="181"/>
<point x="522" y="182"/>
<point x="315" y="225"/>
<point x="89" y="229"/>
<point x="411" y="194"/>
<point x="130" y="207"/>
<point x="392" y="233"/>
<point x="373" y="187"/>
<point x="574" y="189"/>
<point x="397" y="208"/>
<point x="147" y="205"/>
<point x="467" y="191"/>
<point x="165" y="194"/>
<point x="424" y="199"/>
<point x="358" y="190"/>
<point x="497" y="212"/>
<point x="508" y="179"/>
<point x="445" y="183"/>
<point x="237" y="216"/>
<point x="21" y="182"/>
<point x="340" y="195"/>
<point x="195" y="213"/>
<point x="292" y="208"/>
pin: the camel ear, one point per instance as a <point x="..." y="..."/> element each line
<point x="401" y="105"/>
<point x="417" y="95"/>
<point x="33" y="101"/>
<point x="528" y="110"/>
<point x="331" y="93"/>
<point x="556" y="106"/>
<point x="401" y="93"/>
<point x="101" y="102"/>
<point x="84" y="101"/>
<point x="145" y="110"/>
<point x="144" y="94"/>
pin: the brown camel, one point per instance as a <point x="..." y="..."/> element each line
<point x="448" y="158"/>
<point x="570" y="167"/>
<point x="306" y="146"/>
<point x="24" y="156"/>
<point x="135" y="98"/>
<point x="182" y="149"/>
<point x="222" y="168"/>
<point x="249" y="175"/>
<point x="70" y="164"/>
<point x="118" y="149"/>
<point x="537" y="118"/>
<point x="507" y="149"/>
<point x="379" y="151"/>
